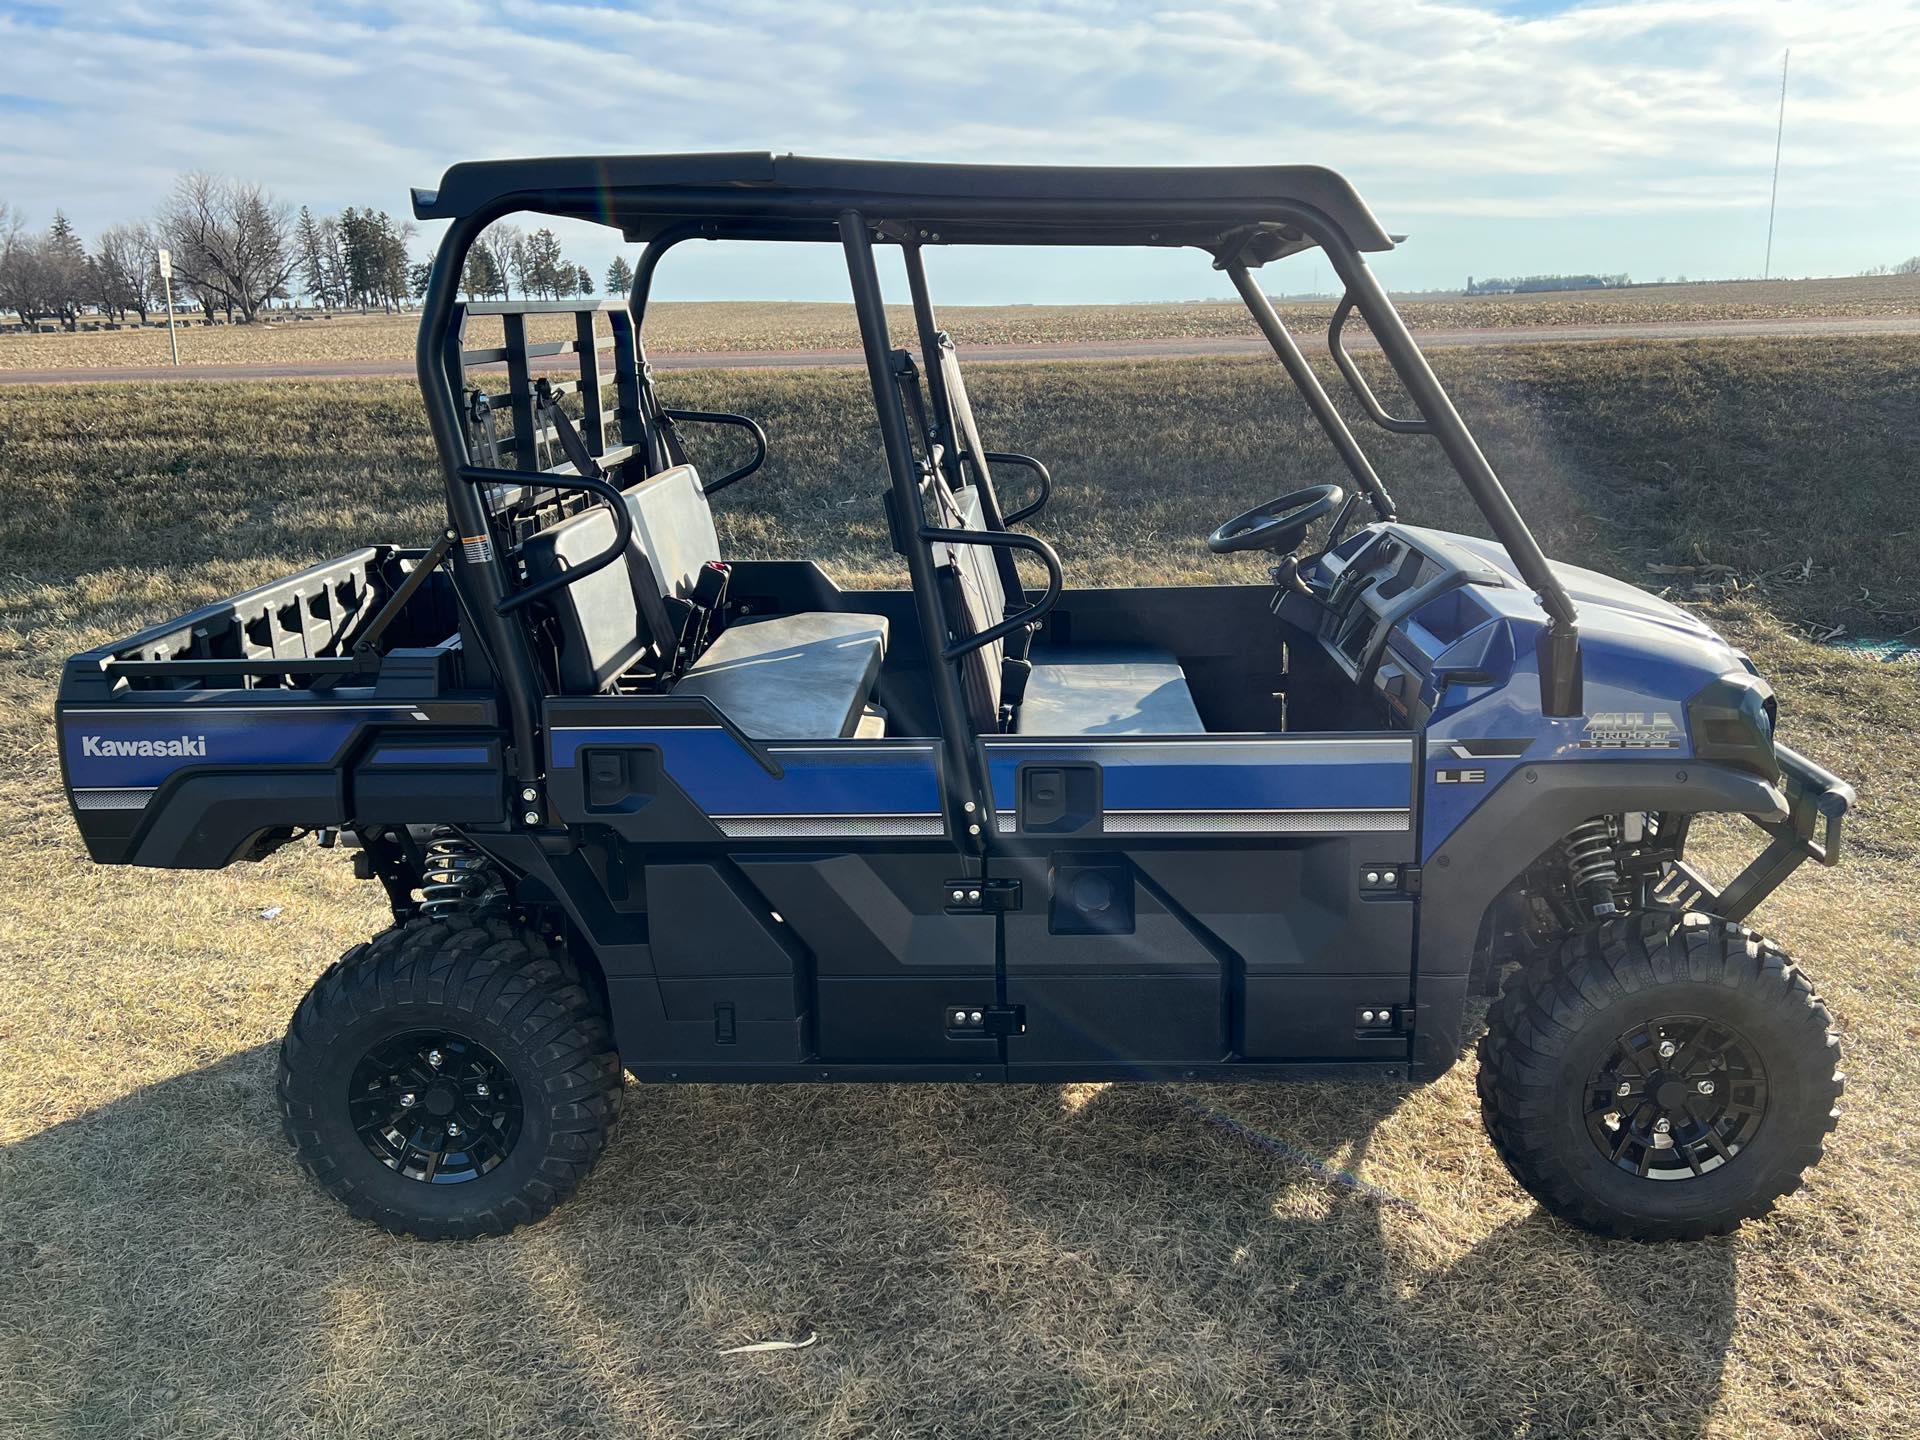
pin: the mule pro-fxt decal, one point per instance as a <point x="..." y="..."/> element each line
<point x="1630" y="730"/>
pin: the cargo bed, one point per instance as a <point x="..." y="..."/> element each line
<point x="341" y="695"/>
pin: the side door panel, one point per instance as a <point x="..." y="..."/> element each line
<point x="789" y="894"/>
<point x="1204" y="900"/>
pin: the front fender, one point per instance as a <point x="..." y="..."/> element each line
<point x="1532" y="808"/>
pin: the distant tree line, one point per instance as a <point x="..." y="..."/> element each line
<point x="505" y="258"/>
<point x="355" y="259"/>
<point x="1528" y="284"/>
<point x="52" y="276"/>
<point x="238" y="250"/>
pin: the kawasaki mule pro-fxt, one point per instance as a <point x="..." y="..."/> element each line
<point x="641" y="806"/>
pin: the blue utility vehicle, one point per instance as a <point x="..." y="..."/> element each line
<point x="641" y="806"/>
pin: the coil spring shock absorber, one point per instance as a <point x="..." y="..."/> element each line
<point x="456" y="874"/>
<point x="1594" y="866"/>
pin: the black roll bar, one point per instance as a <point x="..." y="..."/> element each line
<point x="1310" y="388"/>
<point x="1558" y="649"/>
<point x="963" y="791"/>
<point x="478" y="577"/>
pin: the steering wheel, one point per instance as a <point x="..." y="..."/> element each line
<point x="1278" y="525"/>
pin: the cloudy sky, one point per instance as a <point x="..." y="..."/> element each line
<point x="1504" y="136"/>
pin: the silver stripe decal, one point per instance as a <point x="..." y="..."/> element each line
<point x="1253" y="822"/>
<point x="292" y="707"/>
<point x="753" y="827"/>
<point x="111" y="799"/>
<point x="1385" y="746"/>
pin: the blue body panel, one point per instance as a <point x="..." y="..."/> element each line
<point x="140" y="749"/>
<point x="1222" y="775"/>
<point x="725" y="779"/>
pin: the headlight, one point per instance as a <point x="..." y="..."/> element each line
<point x="1731" y="720"/>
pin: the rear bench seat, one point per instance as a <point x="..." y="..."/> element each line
<point x="783" y="677"/>
<point x="1084" y="690"/>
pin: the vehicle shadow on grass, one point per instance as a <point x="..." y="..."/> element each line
<point x="1031" y="1260"/>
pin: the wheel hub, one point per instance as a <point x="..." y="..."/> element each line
<point x="1670" y="1094"/>
<point x="1676" y="1098"/>
<point x="435" y="1107"/>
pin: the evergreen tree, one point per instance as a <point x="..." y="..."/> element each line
<point x="68" y="276"/>
<point x="583" y="282"/>
<point x="619" y="276"/>
<point x="544" y="263"/>
<point x="311" y="249"/>
<point x="483" y="279"/>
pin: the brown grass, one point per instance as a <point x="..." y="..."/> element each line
<point x="1030" y="1261"/>
<point x="735" y="326"/>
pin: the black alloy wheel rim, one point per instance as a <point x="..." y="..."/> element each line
<point x="1676" y="1098"/>
<point x="435" y="1107"/>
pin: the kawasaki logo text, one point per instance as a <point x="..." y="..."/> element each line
<point x="185" y="747"/>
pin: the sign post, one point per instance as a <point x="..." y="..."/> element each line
<point x="166" y="281"/>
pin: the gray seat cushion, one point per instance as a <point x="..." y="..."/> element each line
<point x="1113" y="690"/>
<point x="792" y="677"/>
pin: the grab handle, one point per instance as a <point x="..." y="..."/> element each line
<point x="1357" y="382"/>
<point x="615" y="501"/>
<point x="1006" y="540"/>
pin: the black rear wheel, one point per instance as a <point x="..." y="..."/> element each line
<point x="1664" y="1077"/>
<point x="451" y="1078"/>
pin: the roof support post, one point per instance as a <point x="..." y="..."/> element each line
<point x="936" y="377"/>
<point x="479" y="577"/>
<point x="1559" y="648"/>
<point x="968" y="818"/>
<point x="1310" y="388"/>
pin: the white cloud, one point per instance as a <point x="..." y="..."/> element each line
<point x="1634" y="136"/>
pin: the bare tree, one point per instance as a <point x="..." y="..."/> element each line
<point x="119" y="267"/>
<point x="513" y="256"/>
<point x="1908" y="266"/>
<point x="38" y="280"/>
<point x="230" y="243"/>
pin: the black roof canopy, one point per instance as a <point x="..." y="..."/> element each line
<point x="755" y="195"/>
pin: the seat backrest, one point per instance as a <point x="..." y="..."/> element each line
<point x="968" y="432"/>
<point x="617" y="618"/>
<point x="673" y="525"/>
<point x="974" y="597"/>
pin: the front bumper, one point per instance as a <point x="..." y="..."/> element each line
<point x="1817" y="802"/>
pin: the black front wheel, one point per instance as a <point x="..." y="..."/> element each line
<point x="451" y="1078"/>
<point x="1664" y="1077"/>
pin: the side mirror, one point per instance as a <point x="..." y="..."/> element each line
<point x="1558" y="654"/>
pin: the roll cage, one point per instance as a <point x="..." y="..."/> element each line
<point x="1242" y="217"/>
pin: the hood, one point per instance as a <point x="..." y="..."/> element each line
<point x="1593" y="591"/>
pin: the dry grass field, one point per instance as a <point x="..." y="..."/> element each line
<point x="1313" y="1260"/>
<point x="737" y="326"/>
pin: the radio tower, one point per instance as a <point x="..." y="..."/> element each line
<point x="1773" y="200"/>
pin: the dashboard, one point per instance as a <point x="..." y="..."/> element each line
<point x="1387" y="602"/>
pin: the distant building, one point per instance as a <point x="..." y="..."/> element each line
<point x="1537" y="284"/>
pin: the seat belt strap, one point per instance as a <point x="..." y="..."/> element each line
<point x="707" y="601"/>
<point x="576" y="452"/>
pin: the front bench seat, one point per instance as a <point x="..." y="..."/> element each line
<point x="1108" y="690"/>
<point x="1081" y="690"/>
